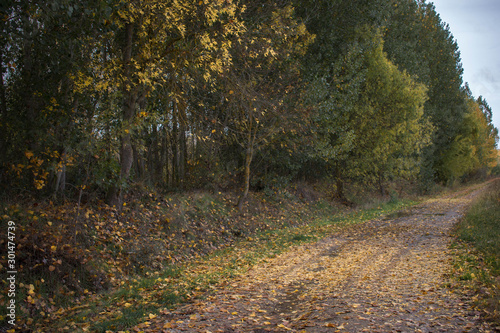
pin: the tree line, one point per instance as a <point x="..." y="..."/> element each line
<point x="100" y="97"/>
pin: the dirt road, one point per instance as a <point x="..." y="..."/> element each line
<point x="386" y="275"/>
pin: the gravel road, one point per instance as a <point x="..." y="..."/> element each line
<point x="385" y="275"/>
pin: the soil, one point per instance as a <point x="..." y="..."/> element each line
<point x="386" y="275"/>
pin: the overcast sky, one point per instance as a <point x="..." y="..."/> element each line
<point x="475" y="26"/>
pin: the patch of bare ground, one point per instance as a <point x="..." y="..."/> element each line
<point x="385" y="275"/>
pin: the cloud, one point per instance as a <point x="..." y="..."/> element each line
<point x="486" y="82"/>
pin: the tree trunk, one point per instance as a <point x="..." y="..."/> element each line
<point x="139" y="164"/>
<point x="339" y="183"/>
<point x="61" y="180"/>
<point x="175" y="147"/>
<point x="130" y="94"/>
<point x="248" y="162"/>
<point x="381" y="184"/>
<point x="156" y="156"/>
<point x="182" y="152"/>
<point x="165" y="163"/>
<point x="3" y="98"/>
<point x="130" y="100"/>
<point x="340" y="186"/>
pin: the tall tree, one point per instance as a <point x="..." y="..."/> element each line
<point x="149" y="38"/>
<point x="40" y="49"/>
<point x="394" y="133"/>
<point x="369" y="120"/>
<point x="418" y="41"/>
<point x="264" y="75"/>
<point x="473" y="150"/>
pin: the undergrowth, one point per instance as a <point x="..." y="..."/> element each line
<point x="97" y="268"/>
<point x="477" y="266"/>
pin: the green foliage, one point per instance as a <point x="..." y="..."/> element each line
<point x="101" y="95"/>
<point x="370" y="118"/>
<point x="474" y="148"/>
<point x="418" y="41"/>
<point x="395" y="131"/>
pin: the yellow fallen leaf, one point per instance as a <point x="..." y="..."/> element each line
<point x="283" y="326"/>
<point x="127" y="305"/>
<point x="152" y="316"/>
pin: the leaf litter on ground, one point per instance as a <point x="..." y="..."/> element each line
<point x="267" y="300"/>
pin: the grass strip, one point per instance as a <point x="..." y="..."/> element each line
<point x="477" y="265"/>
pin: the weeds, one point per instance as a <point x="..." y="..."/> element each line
<point x="477" y="266"/>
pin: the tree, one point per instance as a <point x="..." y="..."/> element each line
<point x="395" y="130"/>
<point x="262" y="79"/>
<point x="335" y="97"/>
<point x="418" y="41"/>
<point x="40" y="49"/>
<point x="335" y="70"/>
<point x="369" y="121"/>
<point x="474" y="149"/>
<point x="148" y="39"/>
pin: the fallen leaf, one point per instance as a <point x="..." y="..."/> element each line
<point x="283" y="326"/>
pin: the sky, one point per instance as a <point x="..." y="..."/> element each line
<point x="476" y="27"/>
